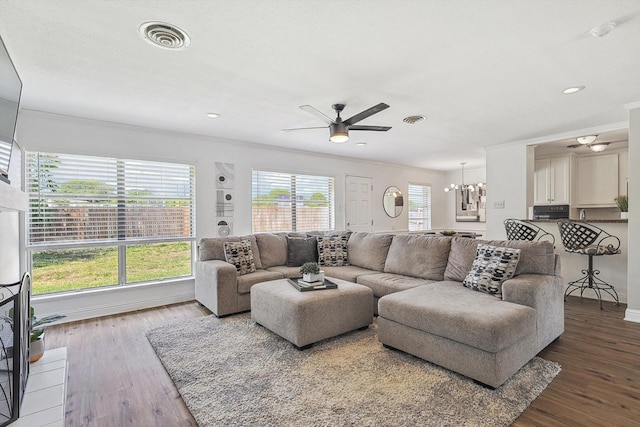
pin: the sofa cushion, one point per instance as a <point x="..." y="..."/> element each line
<point x="285" y="271"/>
<point x="492" y="266"/>
<point x="368" y="250"/>
<point x="386" y="283"/>
<point x="240" y="255"/>
<point x="213" y="247"/>
<point x="248" y="280"/>
<point x="350" y="273"/>
<point x="452" y="311"/>
<point x="332" y="251"/>
<point x="535" y="257"/>
<point x="301" y="250"/>
<point x="418" y="256"/>
<point x="273" y="249"/>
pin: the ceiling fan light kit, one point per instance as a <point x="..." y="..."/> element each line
<point x="339" y="133"/>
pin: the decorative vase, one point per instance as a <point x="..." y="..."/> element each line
<point x="313" y="277"/>
<point x="36" y="349"/>
<point x="624" y="215"/>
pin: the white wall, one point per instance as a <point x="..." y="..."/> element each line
<point x="507" y="182"/>
<point x="53" y="133"/>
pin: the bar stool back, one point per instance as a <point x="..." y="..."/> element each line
<point x="586" y="239"/>
<point x="518" y="229"/>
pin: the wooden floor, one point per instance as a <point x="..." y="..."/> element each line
<point x="115" y="378"/>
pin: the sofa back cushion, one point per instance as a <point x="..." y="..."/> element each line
<point x="418" y="256"/>
<point x="535" y="257"/>
<point x="272" y="248"/>
<point x="213" y="247"/>
<point x="368" y="250"/>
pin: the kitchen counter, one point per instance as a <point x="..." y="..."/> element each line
<point x="594" y="221"/>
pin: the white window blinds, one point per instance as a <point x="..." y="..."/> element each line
<point x="291" y="202"/>
<point x="419" y="207"/>
<point x="81" y="199"/>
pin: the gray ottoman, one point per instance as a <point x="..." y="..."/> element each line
<point x="307" y="317"/>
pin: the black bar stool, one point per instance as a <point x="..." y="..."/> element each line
<point x="518" y="229"/>
<point x="587" y="239"/>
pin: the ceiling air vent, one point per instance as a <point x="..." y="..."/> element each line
<point x="412" y="120"/>
<point x="164" y="35"/>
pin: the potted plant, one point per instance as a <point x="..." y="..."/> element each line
<point x="36" y="335"/>
<point x="623" y="204"/>
<point x="310" y="272"/>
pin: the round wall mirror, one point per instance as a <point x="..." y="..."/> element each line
<point x="392" y="201"/>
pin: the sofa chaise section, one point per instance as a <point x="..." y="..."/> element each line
<point x="479" y="335"/>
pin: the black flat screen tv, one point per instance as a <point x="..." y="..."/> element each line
<point x="10" y="91"/>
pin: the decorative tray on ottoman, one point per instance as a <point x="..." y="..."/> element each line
<point x="303" y="286"/>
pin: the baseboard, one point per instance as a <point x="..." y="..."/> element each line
<point x="110" y="301"/>
<point x="632" y="315"/>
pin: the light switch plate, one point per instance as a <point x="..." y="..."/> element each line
<point x="498" y="204"/>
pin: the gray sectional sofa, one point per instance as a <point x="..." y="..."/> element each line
<point x="422" y="306"/>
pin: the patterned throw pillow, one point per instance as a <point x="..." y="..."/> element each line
<point x="493" y="265"/>
<point x="332" y="251"/>
<point x="240" y="255"/>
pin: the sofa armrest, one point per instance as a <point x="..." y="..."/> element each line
<point x="217" y="286"/>
<point x="546" y="295"/>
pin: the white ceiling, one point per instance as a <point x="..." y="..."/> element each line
<point x="483" y="72"/>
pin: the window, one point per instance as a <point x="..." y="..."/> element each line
<point x="98" y="221"/>
<point x="291" y="202"/>
<point x="419" y="207"/>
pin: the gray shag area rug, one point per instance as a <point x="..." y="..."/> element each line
<point x="233" y="372"/>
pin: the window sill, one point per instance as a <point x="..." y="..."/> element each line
<point x="91" y="303"/>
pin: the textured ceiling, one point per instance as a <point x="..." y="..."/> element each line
<point x="483" y="72"/>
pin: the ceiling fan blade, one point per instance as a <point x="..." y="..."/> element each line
<point x="291" y="129"/>
<point x="365" y="127"/>
<point x="366" y="113"/>
<point x="317" y="113"/>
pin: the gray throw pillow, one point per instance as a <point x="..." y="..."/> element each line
<point x="301" y="250"/>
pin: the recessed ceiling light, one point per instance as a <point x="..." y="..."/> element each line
<point x="361" y="144"/>
<point x="414" y="119"/>
<point x="571" y="90"/>
<point x="166" y="36"/>
<point x="603" y="29"/>
<point x="213" y="115"/>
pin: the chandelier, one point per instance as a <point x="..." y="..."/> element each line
<point x="464" y="187"/>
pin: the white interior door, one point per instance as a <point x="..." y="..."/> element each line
<point x="358" y="212"/>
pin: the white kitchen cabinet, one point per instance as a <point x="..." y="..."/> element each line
<point x="597" y="181"/>
<point x="552" y="180"/>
